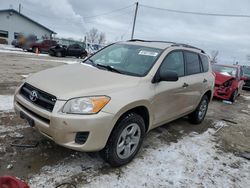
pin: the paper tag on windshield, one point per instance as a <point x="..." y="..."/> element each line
<point x="148" y="53"/>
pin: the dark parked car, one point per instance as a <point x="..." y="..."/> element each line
<point x="42" y="45"/>
<point x="72" y="50"/>
<point x="246" y="73"/>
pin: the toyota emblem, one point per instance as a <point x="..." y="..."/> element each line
<point x="33" y="96"/>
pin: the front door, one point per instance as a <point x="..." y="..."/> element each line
<point x="170" y="98"/>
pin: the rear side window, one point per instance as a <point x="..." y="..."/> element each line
<point x="174" y="62"/>
<point x="205" y="62"/>
<point x="192" y="63"/>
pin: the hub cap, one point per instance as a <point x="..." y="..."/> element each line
<point x="203" y="109"/>
<point x="128" y="141"/>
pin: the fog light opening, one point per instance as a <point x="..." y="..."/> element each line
<point x="81" y="137"/>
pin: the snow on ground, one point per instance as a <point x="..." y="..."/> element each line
<point x="57" y="60"/>
<point x="246" y="97"/>
<point x="11" y="131"/>
<point x="25" y="75"/>
<point x="12" y="50"/>
<point x="21" y="52"/>
<point x="194" y="161"/>
<point x="9" y="47"/>
<point x="6" y="102"/>
<point x="52" y="175"/>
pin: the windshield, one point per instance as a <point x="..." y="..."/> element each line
<point x="228" y="71"/>
<point x="246" y="71"/>
<point x="127" y="59"/>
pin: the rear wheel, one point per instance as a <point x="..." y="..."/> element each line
<point x="199" y="114"/>
<point x="58" y="54"/>
<point x="125" y="140"/>
<point x="234" y="95"/>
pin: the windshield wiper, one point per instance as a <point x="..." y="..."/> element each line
<point x="108" y="67"/>
<point x="89" y="61"/>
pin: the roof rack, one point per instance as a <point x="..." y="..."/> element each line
<point x="173" y="43"/>
<point x="187" y="46"/>
<point x="140" y="40"/>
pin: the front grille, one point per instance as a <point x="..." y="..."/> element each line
<point x="40" y="98"/>
<point x="45" y="120"/>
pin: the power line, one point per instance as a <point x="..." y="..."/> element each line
<point x="106" y="13"/>
<point x="116" y="16"/>
<point x="198" y="13"/>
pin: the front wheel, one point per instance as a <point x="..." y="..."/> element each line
<point x="199" y="114"/>
<point x="125" y="140"/>
<point x="234" y="96"/>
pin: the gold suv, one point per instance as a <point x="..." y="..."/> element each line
<point x="111" y="100"/>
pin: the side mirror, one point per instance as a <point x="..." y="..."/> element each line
<point x="243" y="78"/>
<point x="170" y="76"/>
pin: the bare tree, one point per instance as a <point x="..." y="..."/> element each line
<point x="92" y="35"/>
<point x="214" y="56"/>
<point x="102" y="38"/>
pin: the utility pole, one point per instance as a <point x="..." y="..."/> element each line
<point x="19" y="8"/>
<point x="133" y="29"/>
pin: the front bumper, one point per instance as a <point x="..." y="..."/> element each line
<point x="62" y="128"/>
<point x="223" y="92"/>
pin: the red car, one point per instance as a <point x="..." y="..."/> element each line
<point x="229" y="81"/>
<point x="42" y="45"/>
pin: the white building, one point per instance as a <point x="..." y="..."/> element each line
<point x="13" y="23"/>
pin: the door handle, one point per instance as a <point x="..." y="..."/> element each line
<point x="205" y="80"/>
<point x="185" y="85"/>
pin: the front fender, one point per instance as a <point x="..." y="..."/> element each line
<point x="132" y="105"/>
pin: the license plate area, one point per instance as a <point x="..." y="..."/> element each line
<point x="27" y="118"/>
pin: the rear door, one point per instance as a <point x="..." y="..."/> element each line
<point x="73" y="50"/>
<point x="195" y="79"/>
<point x="208" y="81"/>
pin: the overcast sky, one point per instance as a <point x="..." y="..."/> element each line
<point x="69" y="18"/>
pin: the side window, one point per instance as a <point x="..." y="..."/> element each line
<point x="16" y="35"/>
<point x="4" y="34"/>
<point x="192" y="63"/>
<point x="205" y="62"/>
<point x="77" y="46"/>
<point x="174" y="62"/>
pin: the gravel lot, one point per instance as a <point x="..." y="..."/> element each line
<point x="177" y="154"/>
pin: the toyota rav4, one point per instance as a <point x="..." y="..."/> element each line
<point x="112" y="99"/>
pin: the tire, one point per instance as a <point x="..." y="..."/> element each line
<point x="58" y="54"/>
<point x="199" y="114"/>
<point x="34" y="49"/>
<point x="234" y="95"/>
<point x="129" y="125"/>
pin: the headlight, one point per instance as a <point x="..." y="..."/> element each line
<point x="85" y="105"/>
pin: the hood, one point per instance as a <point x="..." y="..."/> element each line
<point x="221" y="78"/>
<point x="78" y="80"/>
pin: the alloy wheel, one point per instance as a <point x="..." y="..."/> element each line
<point x="128" y="141"/>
